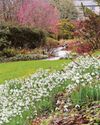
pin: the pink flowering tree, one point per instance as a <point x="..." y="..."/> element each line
<point x="39" y="14"/>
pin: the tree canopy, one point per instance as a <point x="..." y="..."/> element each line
<point x="66" y="7"/>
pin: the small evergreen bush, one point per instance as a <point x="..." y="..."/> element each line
<point x="20" y="37"/>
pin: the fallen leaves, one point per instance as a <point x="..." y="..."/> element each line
<point x="87" y="115"/>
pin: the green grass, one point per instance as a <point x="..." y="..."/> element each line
<point x="20" y="69"/>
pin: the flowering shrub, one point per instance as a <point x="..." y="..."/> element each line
<point x="18" y="96"/>
<point x="39" y="14"/>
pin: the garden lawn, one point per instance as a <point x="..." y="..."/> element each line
<point x="20" y="69"/>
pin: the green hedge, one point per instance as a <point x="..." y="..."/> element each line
<point x="20" y="37"/>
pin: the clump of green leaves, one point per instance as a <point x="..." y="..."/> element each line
<point x="66" y="29"/>
<point x="86" y="94"/>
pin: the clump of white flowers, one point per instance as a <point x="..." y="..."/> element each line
<point x="16" y="96"/>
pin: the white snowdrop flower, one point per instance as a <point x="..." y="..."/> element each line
<point x="66" y="110"/>
<point x="77" y="106"/>
<point x="77" y="81"/>
<point x="58" y="102"/>
<point x="18" y="95"/>
<point x="65" y="106"/>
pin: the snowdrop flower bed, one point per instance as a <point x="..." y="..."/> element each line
<point x="85" y="79"/>
<point x="17" y="96"/>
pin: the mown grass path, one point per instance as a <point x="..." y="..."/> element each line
<point x="14" y="70"/>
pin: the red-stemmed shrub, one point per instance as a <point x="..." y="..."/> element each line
<point x="83" y="48"/>
<point x="79" y="47"/>
<point x="89" y="30"/>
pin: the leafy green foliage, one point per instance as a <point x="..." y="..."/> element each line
<point x="9" y="52"/>
<point x="3" y="43"/>
<point x="66" y="29"/>
<point x="86" y="94"/>
<point x="3" y="38"/>
<point x="50" y="43"/>
<point x="20" y="37"/>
